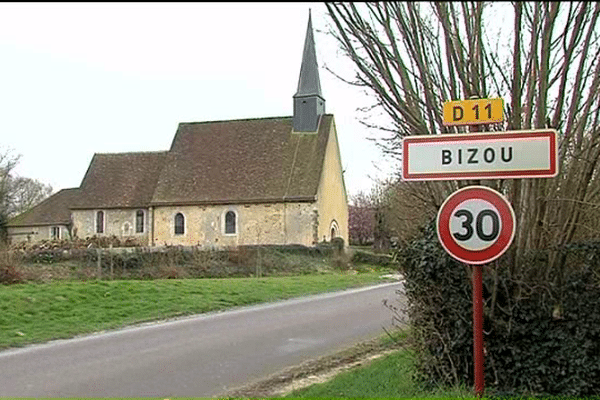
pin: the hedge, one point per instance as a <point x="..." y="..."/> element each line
<point x="541" y="337"/>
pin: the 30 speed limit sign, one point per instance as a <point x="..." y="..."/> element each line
<point x="476" y="225"/>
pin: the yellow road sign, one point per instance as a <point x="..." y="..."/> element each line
<point x="473" y="112"/>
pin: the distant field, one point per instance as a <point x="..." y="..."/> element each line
<point x="31" y="313"/>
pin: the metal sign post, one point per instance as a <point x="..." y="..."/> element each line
<point x="478" y="353"/>
<point x="476" y="225"/>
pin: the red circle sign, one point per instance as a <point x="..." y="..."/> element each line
<point x="476" y="225"/>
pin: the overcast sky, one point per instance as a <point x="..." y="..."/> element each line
<point x="84" y="78"/>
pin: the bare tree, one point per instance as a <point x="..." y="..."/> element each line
<point x="413" y="56"/>
<point x="17" y="194"/>
<point x="24" y="193"/>
<point x="7" y="163"/>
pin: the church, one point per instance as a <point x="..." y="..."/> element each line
<point x="255" y="181"/>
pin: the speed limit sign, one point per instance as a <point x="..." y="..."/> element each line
<point x="476" y="225"/>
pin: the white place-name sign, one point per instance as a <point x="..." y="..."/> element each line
<point x="497" y="155"/>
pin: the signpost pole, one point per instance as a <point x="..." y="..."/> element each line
<point x="478" y="354"/>
<point x="476" y="225"/>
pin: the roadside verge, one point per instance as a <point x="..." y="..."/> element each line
<point x="318" y="370"/>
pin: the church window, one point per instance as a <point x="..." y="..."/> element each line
<point x="230" y="222"/>
<point x="334" y="229"/>
<point x="179" y="224"/>
<point x="100" y="222"/>
<point x="55" y="232"/>
<point x="139" y="221"/>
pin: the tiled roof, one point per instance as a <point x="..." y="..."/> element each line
<point x="52" y="211"/>
<point x="120" y="180"/>
<point x="223" y="162"/>
<point x="251" y="160"/>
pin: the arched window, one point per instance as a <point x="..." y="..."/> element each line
<point x="334" y="229"/>
<point x="126" y="229"/>
<point x="230" y="222"/>
<point x="139" y="221"/>
<point x="179" y="224"/>
<point x="100" y="222"/>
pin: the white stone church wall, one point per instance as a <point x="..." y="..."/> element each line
<point x="276" y="223"/>
<point x="117" y="222"/>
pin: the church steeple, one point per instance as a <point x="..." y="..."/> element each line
<point x="309" y="103"/>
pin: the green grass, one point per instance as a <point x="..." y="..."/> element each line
<point x="392" y="376"/>
<point x="31" y="313"/>
<point x="386" y="377"/>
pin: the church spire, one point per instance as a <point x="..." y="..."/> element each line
<point x="309" y="103"/>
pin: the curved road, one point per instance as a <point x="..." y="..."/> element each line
<point x="200" y="356"/>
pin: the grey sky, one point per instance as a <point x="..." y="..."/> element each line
<point x="81" y="78"/>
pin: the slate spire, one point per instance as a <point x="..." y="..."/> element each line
<point x="309" y="103"/>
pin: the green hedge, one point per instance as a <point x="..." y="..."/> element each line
<point x="170" y="262"/>
<point x="363" y="257"/>
<point x="541" y="338"/>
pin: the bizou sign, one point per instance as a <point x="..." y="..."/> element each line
<point x="475" y="155"/>
<point x="500" y="155"/>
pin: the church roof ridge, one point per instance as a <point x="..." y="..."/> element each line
<point x="240" y="120"/>
<point x="234" y="120"/>
<point x="123" y="153"/>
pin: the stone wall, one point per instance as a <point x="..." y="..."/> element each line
<point x="276" y="223"/>
<point x="35" y="233"/>
<point x="117" y="222"/>
<point x="332" y="201"/>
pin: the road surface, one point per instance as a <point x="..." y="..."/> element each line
<point x="200" y="356"/>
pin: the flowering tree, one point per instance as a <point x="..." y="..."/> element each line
<point x="361" y="219"/>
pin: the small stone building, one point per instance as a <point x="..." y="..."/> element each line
<point x="51" y="219"/>
<point x="222" y="183"/>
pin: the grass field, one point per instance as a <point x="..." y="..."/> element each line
<point x="31" y="313"/>
<point x="386" y="377"/>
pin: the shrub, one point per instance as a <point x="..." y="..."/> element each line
<point x="363" y="257"/>
<point x="9" y="274"/>
<point x="551" y="347"/>
<point x="541" y="332"/>
<point x="83" y="263"/>
<point x="10" y="269"/>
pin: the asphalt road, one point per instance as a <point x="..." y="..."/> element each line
<point x="200" y="356"/>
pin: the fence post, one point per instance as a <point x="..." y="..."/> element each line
<point x="259" y="264"/>
<point x="99" y="272"/>
<point x="112" y="277"/>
